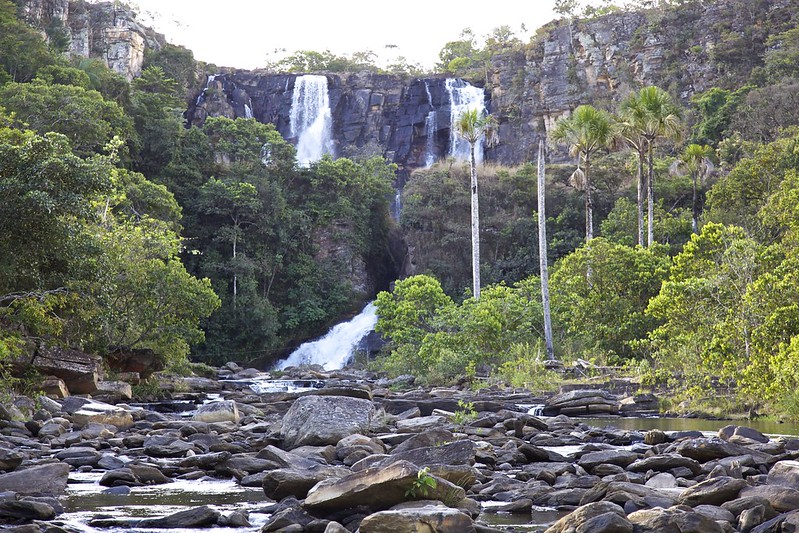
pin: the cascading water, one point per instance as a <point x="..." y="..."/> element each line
<point x="311" y="120"/>
<point x="463" y="97"/>
<point x="430" y="126"/>
<point x="201" y="97"/>
<point x="336" y="348"/>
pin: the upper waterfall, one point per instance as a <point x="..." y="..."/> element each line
<point x="311" y="120"/>
<point x="463" y="97"/>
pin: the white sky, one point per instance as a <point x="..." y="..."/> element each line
<point x="246" y="33"/>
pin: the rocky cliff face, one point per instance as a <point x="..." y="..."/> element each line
<point x="104" y="30"/>
<point x="685" y="50"/>
<point x="372" y="113"/>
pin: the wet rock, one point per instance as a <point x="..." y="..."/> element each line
<point x="43" y="479"/>
<point x="79" y="456"/>
<point x="320" y="420"/>
<point x="219" y="411"/>
<point x="704" y="449"/>
<point x="133" y="476"/>
<point x="431" y="437"/>
<point x="411" y="520"/>
<point x="623" y="458"/>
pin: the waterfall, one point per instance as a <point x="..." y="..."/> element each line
<point x="311" y="119"/>
<point x="247" y="111"/>
<point x="430" y="127"/>
<point x="334" y="349"/>
<point x="463" y="97"/>
<point x="201" y="97"/>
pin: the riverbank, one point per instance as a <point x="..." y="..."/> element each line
<point x="350" y="452"/>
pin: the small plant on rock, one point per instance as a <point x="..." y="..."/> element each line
<point x="422" y="485"/>
<point x="465" y="413"/>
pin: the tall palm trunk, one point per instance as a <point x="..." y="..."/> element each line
<point x="641" y="196"/>
<point x="589" y="201"/>
<point x="542" y="252"/>
<point x="650" y="227"/>
<point x="695" y="205"/>
<point x="475" y="226"/>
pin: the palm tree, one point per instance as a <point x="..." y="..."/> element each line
<point x="654" y="114"/>
<point x="696" y="160"/>
<point x="586" y="131"/>
<point x="472" y="126"/>
<point x="630" y="134"/>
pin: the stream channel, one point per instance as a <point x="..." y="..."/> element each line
<point x="87" y="500"/>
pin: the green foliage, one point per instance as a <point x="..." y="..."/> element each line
<point x="177" y="63"/>
<point x="606" y="310"/>
<point x="717" y="108"/>
<point x="464" y="414"/>
<point x="22" y="50"/>
<point x="422" y="485"/>
<point x="439" y="341"/>
<point x="83" y="116"/>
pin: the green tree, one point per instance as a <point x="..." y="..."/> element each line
<point x="606" y="312"/>
<point x="696" y="159"/>
<point x="653" y="113"/>
<point x="22" y="50"/>
<point x="587" y="130"/>
<point x="82" y="115"/>
<point x="473" y="127"/>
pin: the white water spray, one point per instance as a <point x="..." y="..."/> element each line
<point x="201" y="97"/>
<point x="311" y="120"/>
<point x="336" y="348"/>
<point x="464" y="97"/>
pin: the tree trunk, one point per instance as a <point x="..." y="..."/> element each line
<point x="589" y="201"/>
<point x="475" y="227"/>
<point x="695" y="208"/>
<point x="650" y="199"/>
<point x="641" y="196"/>
<point x="542" y="252"/>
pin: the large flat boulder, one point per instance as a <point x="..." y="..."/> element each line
<point x="80" y="371"/>
<point x="378" y="488"/>
<point x="582" y="402"/>
<point x="320" y="420"/>
<point x="49" y="478"/>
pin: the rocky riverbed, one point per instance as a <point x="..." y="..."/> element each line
<point x="350" y="453"/>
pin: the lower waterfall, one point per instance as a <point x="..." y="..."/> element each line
<point x="335" y="349"/>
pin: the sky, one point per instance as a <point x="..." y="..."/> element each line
<point x="246" y="33"/>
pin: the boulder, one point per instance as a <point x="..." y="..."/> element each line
<point x="320" y="420"/>
<point x="709" y="449"/>
<point x="784" y="473"/>
<point x="713" y="491"/>
<point x="26" y="510"/>
<point x="591" y="460"/>
<point x="378" y="489"/>
<point x="672" y="520"/>
<point x="48" y="478"/>
<point x="282" y="482"/>
<point x="664" y="463"/>
<point x="190" y="518"/>
<point x="9" y="459"/>
<point x="782" y="499"/>
<point x="460" y="452"/>
<point x="219" y="411"/>
<point x="421" y="423"/>
<point x="118" y="390"/>
<point x="412" y="520"/>
<point x="54" y="387"/>
<point x="94" y="412"/>
<point x="582" y="402"/>
<point x="431" y="437"/>
<point x="142" y="361"/>
<point x="80" y="371"/>
<point x="575" y="520"/>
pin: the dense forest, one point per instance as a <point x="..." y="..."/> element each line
<point x="122" y="229"/>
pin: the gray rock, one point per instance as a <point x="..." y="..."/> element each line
<point x="576" y="519"/>
<point x="411" y="520"/>
<point x="784" y="473"/>
<point x="672" y="520"/>
<point x="713" y="491"/>
<point x="378" y="489"/>
<point x="9" y="459"/>
<point x="219" y="411"/>
<point x="782" y="499"/>
<point x="623" y="458"/>
<point x="282" y="482"/>
<point x="431" y="437"/>
<point x="190" y="518"/>
<point x="461" y="452"/>
<point x="320" y="420"/>
<point x="26" y="510"/>
<point x="49" y="478"/>
<point x="167" y="446"/>
<point x="664" y="463"/>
